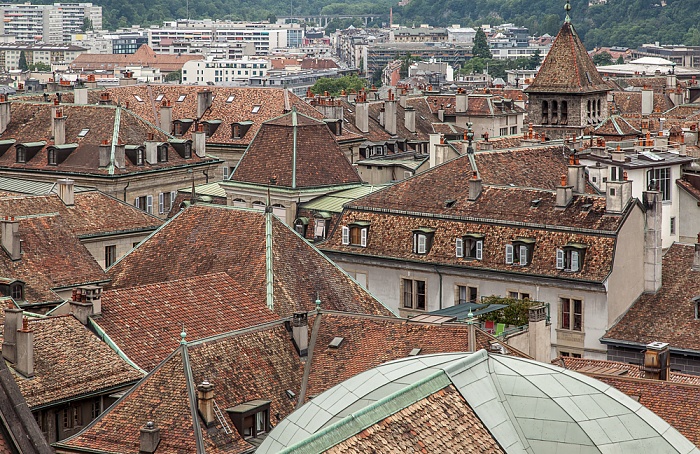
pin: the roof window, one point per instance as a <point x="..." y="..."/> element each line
<point x="229" y="100"/>
<point x="138" y="98"/>
<point x="83" y="132"/>
<point x="335" y="343"/>
<point x="256" y="109"/>
<point x="159" y="98"/>
<point x="181" y="98"/>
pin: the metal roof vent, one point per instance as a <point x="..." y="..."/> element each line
<point x="414" y="352"/>
<point x="335" y="343"/>
<point x="535" y="203"/>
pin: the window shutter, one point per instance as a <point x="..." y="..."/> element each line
<point x="161" y="202"/>
<point x="479" y="249"/>
<point x="346" y="235"/>
<point x="149" y="204"/>
<point x="574" y="260"/>
<point x="509" y="254"/>
<point x="421" y="244"/>
<point x="523" y="255"/>
<point x="363" y="237"/>
<point x="173" y="196"/>
<point x="137" y="202"/>
<point x="459" y="247"/>
<point x="560" y="259"/>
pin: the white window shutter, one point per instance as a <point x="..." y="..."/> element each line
<point x="459" y="247"/>
<point x="421" y="244"/>
<point x="523" y="255"/>
<point x="173" y="196"/>
<point x="363" y="237"/>
<point x="560" y="259"/>
<point x="509" y="254"/>
<point x="479" y="249"/>
<point x="574" y="261"/>
<point x="149" y="204"/>
<point x="161" y="202"/>
<point x="346" y="235"/>
<point x="137" y="202"/>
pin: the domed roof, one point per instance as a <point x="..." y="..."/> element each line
<point x="517" y="405"/>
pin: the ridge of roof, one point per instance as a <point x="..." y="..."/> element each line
<point x="189" y="384"/>
<point x="269" y="269"/>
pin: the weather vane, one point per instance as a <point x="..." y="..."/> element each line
<point x="567" y="8"/>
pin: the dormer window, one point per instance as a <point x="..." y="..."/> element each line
<point x="140" y="156"/>
<point x="251" y="419"/>
<point x="520" y="252"/>
<point x="17" y="291"/>
<point x="300" y="225"/>
<point x="423" y="240"/>
<point x="470" y="246"/>
<point x="355" y="234"/>
<point x="163" y="152"/>
<point x="570" y="257"/>
<point x="21" y="155"/>
<point x="696" y="303"/>
<point x="52" y="156"/>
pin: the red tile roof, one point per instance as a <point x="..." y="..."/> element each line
<point x="618" y="369"/>
<point x="567" y="68"/>
<point x="144" y="56"/>
<point x="298" y="151"/>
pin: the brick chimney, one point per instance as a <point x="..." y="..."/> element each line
<point x="199" y="141"/>
<point x="652" y="240"/>
<point x="59" y="128"/>
<point x="166" y="117"/>
<point x="149" y="438"/>
<point x="204" y="101"/>
<point x="10" y="238"/>
<point x="362" y="112"/>
<point x="657" y="361"/>
<point x="105" y="99"/>
<point x="577" y="175"/>
<point x="25" y="350"/>
<point x="300" y="332"/>
<point x="13" y="321"/>
<point x="79" y="306"/>
<point x="565" y="193"/>
<point x="66" y="191"/>
<point x="5" y="113"/>
<point x="475" y="187"/>
<point x="617" y="195"/>
<point x="410" y="119"/>
<point x="205" y="402"/>
<point x="80" y="96"/>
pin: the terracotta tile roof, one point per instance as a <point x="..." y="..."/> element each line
<point x="146" y="321"/>
<point x="270" y="101"/>
<point x="371" y="341"/>
<point x="629" y="103"/>
<point x="486" y="105"/>
<point x="616" y="127"/>
<point x="424" y="119"/>
<point x="676" y="324"/>
<point x="283" y="62"/>
<point x="618" y="369"/>
<point x="209" y="239"/>
<point x="567" y="68"/>
<point x="425" y="421"/>
<point x="144" y="56"/>
<point x="686" y="183"/>
<point x="499" y="142"/>
<point x="318" y="63"/>
<point x="31" y="122"/>
<point x="299" y="151"/>
<point x="69" y="362"/>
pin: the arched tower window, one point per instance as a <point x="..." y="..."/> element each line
<point x="555" y="113"/>
<point x="564" y="113"/>
<point x="545" y="112"/>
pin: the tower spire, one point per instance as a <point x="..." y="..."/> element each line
<point x="567" y="8"/>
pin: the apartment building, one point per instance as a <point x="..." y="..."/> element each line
<point x="49" y="23"/>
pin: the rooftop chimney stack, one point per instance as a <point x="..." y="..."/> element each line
<point x="657" y="361"/>
<point x="390" y="114"/>
<point x="461" y="101"/>
<point x="166" y="117"/>
<point x="475" y="187"/>
<point x="300" y="332"/>
<point x="362" y="113"/>
<point x="149" y="438"/>
<point x="13" y="321"/>
<point x="652" y="240"/>
<point x="5" y="113"/>
<point x="66" y="191"/>
<point x="539" y="335"/>
<point x="10" y="238"/>
<point x="564" y="193"/>
<point x="205" y="402"/>
<point x="80" y="96"/>
<point x="647" y="101"/>
<point x="105" y="153"/>
<point x="59" y="128"/>
<point x="441" y="152"/>
<point x="577" y="175"/>
<point x="204" y="101"/>
<point x="25" y="350"/>
<point x="79" y="305"/>
<point x="696" y="258"/>
<point x="120" y="155"/>
<point x="617" y="195"/>
<point x="410" y="119"/>
<point x="199" y="141"/>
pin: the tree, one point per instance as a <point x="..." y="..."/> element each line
<point x="603" y="59"/>
<point x="620" y="60"/>
<point x="87" y="24"/>
<point x="175" y="76"/>
<point x="334" y="86"/>
<point x="406" y="62"/>
<point x="40" y="66"/>
<point x="534" y="60"/>
<point x="23" y="66"/>
<point x="481" y="46"/>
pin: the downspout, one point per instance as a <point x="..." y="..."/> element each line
<point x="440" y="275"/>
<point x="125" y="188"/>
<point x="206" y="175"/>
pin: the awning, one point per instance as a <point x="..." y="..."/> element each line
<point x="461" y="311"/>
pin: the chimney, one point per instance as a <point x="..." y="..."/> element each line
<point x="300" y="332"/>
<point x="441" y="152"/>
<point x="403" y="97"/>
<point x="577" y="175"/>
<point x="617" y="195"/>
<point x="13" y="320"/>
<point x="105" y="153"/>
<point x="120" y="155"/>
<point x="10" y="238"/>
<point x="205" y="402"/>
<point x="91" y="82"/>
<point x="204" y="100"/>
<point x="166" y="117"/>
<point x="382" y="116"/>
<point x="66" y="191"/>
<point x="647" y="101"/>
<point x="59" y="128"/>
<point x="105" y="99"/>
<point x="92" y="295"/>
<point x="79" y="305"/>
<point x="461" y="101"/>
<point x="475" y="187"/>
<point x="441" y="113"/>
<point x="151" y="151"/>
<point x="564" y="193"/>
<point x="80" y="96"/>
<point x="539" y="335"/>
<point x="5" y="113"/>
<point x="390" y="115"/>
<point x="25" y="350"/>
<point x="652" y="240"/>
<point x="617" y="155"/>
<point x="410" y="119"/>
<point x="362" y="114"/>
<point x="149" y="438"/>
<point x="696" y="259"/>
<point x="657" y="361"/>
<point x="471" y="332"/>
<point x="199" y="140"/>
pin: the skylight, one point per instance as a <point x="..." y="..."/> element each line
<point x="83" y="132"/>
<point x="256" y="109"/>
<point x="159" y="98"/>
<point x="181" y="98"/>
<point x="230" y="99"/>
<point x="138" y="98"/>
<point x="335" y="343"/>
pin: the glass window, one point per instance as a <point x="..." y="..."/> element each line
<point x="660" y="179"/>
<point x="413" y="294"/>
<point x="572" y="314"/>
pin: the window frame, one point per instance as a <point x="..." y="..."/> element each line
<point x="411" y="297"/>
<point x="423" y="240"/>
<point x="568" y="319"/>
<point x="110" y="255"/>
<point x="570" y="258"/>
<point x="355" y="234"/>
<point x="662" y="175"/>
<point x="520" y="252"/>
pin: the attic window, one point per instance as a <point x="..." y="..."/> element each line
<point x="422" y="240"/>
<point x="335" y="343"/>
<point x="251" y="419"/>
<point x="414" y="352"/>
<point x="356" y="233"/>
<point x="256" y="109"/>
<point x="470" y="246"/>
<point x="159" y="98"/>
<point x="696" y="302"/>
<point x="181" y="98"/>
<point x="83" y="132"/>
<point x="535" y="203"/>
<point x="17" y="291"/>
<point x="450" y="203"/>
<point x="520" y="251"/>
<point x="138" y="98"/>
<point x="229" y="100"/>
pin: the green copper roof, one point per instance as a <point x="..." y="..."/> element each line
<point x="334" y="202"/>
<point x="527" y="406"/>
